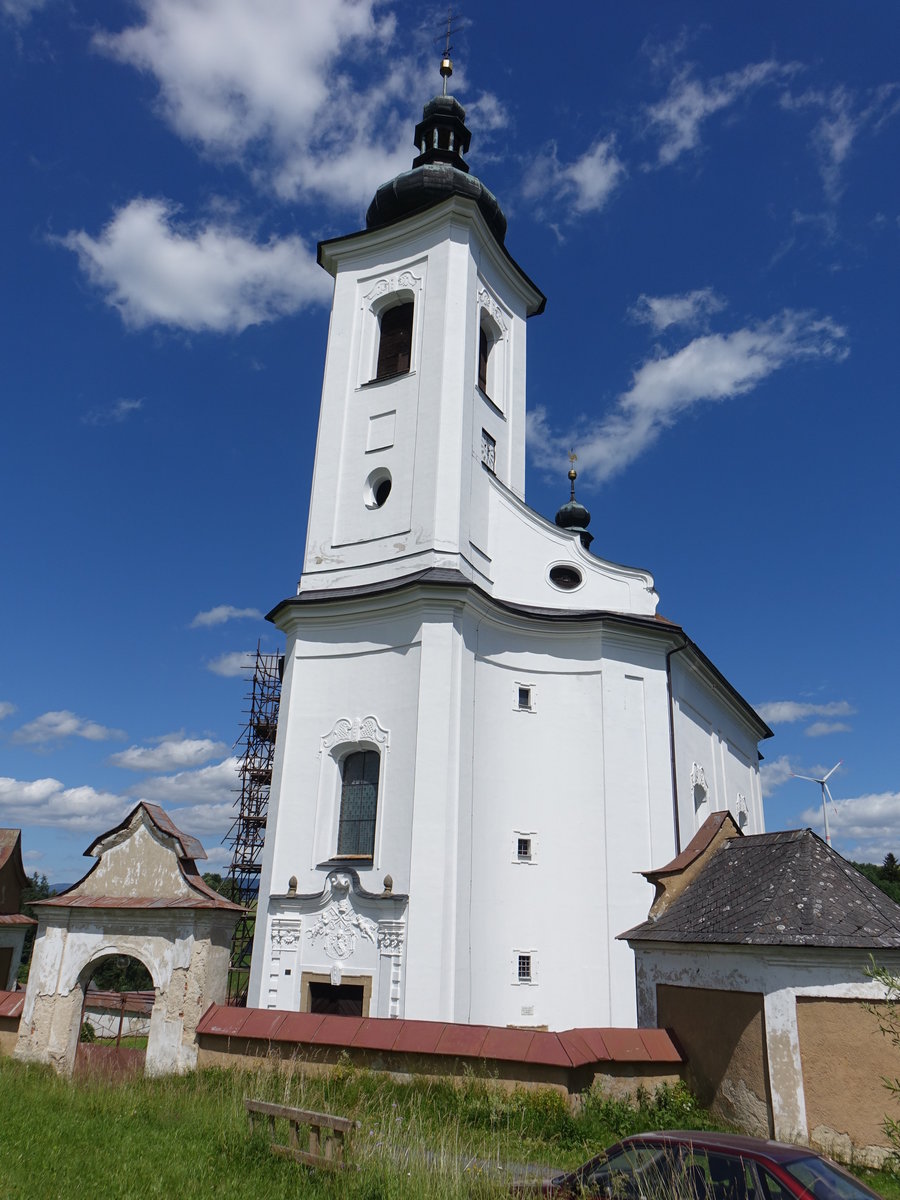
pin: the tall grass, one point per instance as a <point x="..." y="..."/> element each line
<point x="189" y="1136"/>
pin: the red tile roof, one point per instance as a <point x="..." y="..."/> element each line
<point x="571" y="1048"/>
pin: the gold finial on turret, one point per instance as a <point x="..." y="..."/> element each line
<point x="573" y="474"/>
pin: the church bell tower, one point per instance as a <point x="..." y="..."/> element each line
<point x="424" y="373"/>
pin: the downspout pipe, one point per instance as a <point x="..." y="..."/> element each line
<point x="675" y="650"/>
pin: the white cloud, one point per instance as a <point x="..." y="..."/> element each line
<point x="7" y="708"/>
<point x="821" y="728"/>
<point x="49" y="802"/>
<point x="844" y="117"/>
<point x="786" y="712"/>
<point x="773" y="774"/>
<point x="208" y="278"/>
<point x="865" y="827"/>
<point x="584" y="185"/>
<point x="679" y="116"/>
<point x="113" y="415"/>
<point x="218" y="857"/>
<point x="487" y="114"/>
<point x="710" y="368"/>
<point x="276" y="86"/>
<point x="216" y="784"/>
<point x="54" y="726"/>
<point x="169" y="753"/>
<point x="204" y="820"/>
<point x="222" y="613"/>
<point x="20" y="10"/>
<point x="230" y="665"/>
<point x="690" y="308"/>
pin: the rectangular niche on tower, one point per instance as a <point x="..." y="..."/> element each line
<point x="381" y="431"/>
<point x="489" y="451"/>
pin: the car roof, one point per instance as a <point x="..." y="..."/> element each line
<point x="736" y="1143"/>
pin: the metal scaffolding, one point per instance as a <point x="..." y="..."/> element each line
<point x="248" y="833"/>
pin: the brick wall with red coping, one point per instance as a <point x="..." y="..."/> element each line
<point x="622" y="1058"/>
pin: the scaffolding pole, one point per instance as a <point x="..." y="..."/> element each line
<point x="248" y="833"/>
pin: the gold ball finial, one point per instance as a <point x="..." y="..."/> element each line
<point x="446" y="66"/>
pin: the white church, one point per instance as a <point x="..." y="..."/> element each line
<point x="485" y="730"/>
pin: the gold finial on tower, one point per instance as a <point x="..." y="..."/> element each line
<point x="573" y="474"/>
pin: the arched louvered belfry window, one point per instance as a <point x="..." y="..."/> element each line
<point x="359" y="804"/>
<point x="395" y="341"/>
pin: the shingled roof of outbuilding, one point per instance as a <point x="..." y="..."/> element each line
<point x="11" y="851"/>
<point x="777" y="889"/>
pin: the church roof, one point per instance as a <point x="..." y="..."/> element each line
<point x="438" y="172"/>
<point x="777" y="889"/>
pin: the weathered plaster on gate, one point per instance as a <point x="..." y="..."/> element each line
<point x="146" y="900"/>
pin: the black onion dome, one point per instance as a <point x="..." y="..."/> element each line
<point x="438" y="172"/>
<point x="574" y="517"/>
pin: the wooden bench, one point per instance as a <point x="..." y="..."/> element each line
<point x="327" y="1134"/>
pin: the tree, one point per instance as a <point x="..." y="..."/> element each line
<point x="37" y="888"/>
<point x="226" y="886"/>
<point x="121" y="973"/>
<point x="876" y="875"/>
<point x="890" y="869"/>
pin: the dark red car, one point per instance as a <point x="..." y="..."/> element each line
<point x="687" y="1165"/>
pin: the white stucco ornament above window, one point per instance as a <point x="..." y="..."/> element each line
<point x="356" y="729"/>
<point x="339" y="927"/>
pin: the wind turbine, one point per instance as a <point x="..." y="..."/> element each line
<point x="823" y="783"/>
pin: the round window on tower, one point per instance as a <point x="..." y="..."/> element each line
<point x="565" y="577"/>
<point x="378" y="488"/>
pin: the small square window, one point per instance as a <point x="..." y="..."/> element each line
<point x="524" y="968"/>
<point x="523" y="849"/>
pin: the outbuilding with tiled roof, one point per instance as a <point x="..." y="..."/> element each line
<point x="756" y="954"/>
<point x="13" y="924"/>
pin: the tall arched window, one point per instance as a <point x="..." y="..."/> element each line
<point x="359" y="804"/>
<point x="395" y="341"/>
<point x="484" y="350"/>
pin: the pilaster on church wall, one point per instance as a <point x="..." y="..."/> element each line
<point x="440" y="788"/>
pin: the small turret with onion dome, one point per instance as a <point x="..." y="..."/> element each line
<point x="573" y="516"/>
<point x="438" y="170"/>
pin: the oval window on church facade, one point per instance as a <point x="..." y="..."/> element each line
<point x="565" y="577"/>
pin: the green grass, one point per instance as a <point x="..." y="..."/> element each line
<point x="189" y="1136"/>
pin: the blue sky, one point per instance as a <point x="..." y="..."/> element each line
<point x="707" y="194"/>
